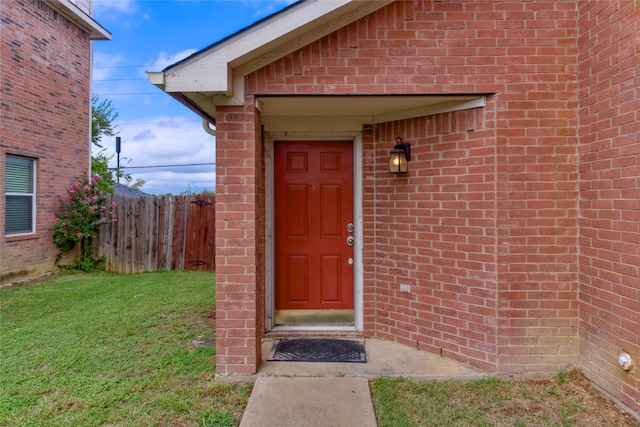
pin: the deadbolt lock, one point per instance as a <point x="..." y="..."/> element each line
<point x="350" y="227"/>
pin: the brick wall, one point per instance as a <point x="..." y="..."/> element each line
<point x="435" y="229"/>
<point x="526" y="54"/>
<point x="537" y="191"/>
<point x="369" y="238"/>
<point x="610" y="194"/>
<point x="45" y="114"/>
<point x="240" y="213"/>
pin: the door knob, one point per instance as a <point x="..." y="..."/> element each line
<point x="350" y="240"/>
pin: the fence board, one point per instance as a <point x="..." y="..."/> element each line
<point x="178" y="235"/>
<point x="201" y="220"/>
<point x="155" y="233"/>
<point x="166" y="217"/>
<point x="129" y="235"/>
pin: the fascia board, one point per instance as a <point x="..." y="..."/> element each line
<point x="265" y="32"/>
<point x="156" y="78"/>
<point x="72" y="12"/>
<point x="211" y="69"/>
<point x="303" y="35"/>
<point x="283" y="27"/>
<point x="300" y="26"/>
<point x="209" y="74"/>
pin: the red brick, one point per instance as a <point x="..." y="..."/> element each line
<point x="506" y="175"/>
<point x="42" y="52"/>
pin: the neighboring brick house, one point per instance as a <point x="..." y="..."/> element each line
<point x="45" y="122"/>
<point x="512" y="243"/>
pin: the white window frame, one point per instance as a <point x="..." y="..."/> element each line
<point x="31" y="194"/>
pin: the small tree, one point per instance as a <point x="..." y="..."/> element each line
<point x="138" y="184"/>
<point x="100" y="166"/>
<point x="82" y="212"/>
<point x="103" y="113"/>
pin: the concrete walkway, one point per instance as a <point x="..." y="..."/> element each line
<point x="293" y="394"/>
<point x="310" y="402"/>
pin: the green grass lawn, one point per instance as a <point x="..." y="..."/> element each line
<point x="568" y="400"/>
<point x="109" y="349"/>
<point x="126" y="350"/>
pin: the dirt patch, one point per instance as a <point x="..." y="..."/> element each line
<point x="23" y="278"/>
<point x="567" y="399"/>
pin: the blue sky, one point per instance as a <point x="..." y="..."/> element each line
<point x="155" y="129"/>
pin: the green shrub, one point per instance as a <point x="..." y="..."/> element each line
<point x="82" y="211"/>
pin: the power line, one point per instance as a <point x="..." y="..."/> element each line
<point x="130" y="93"/>
<point x="164" y="166"/>
<point x="120" y="80"/>
<point x="156" y="123"/>
<point x="132" y="66"/>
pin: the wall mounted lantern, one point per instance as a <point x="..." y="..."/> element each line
<point x="399" y="157"/>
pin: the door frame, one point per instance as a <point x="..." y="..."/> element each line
<point x="358" y="293"/>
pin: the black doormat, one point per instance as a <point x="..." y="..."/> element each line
<point x="318" y="350"/>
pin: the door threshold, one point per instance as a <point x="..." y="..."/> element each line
<point x="313" y="328"/>
<point x="314" y="321"/>
<point x="314" y="317"/>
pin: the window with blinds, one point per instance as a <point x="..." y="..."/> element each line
<point x="20" y="195"/>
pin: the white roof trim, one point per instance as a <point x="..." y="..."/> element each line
<point x="76" y="15"/>
<point x="215" y="76"/>
<point x="215" y="70"/>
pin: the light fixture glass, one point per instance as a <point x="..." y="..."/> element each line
<point x="399" y="157"/>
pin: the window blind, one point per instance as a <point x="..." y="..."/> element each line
<point x="19" y="185"/>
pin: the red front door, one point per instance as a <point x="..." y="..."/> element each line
<point x="314" y="225"/>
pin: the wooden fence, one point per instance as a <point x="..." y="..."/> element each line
<point x="160" y="233"/>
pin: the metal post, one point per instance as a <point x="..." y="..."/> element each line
<point x="118" y="153"/>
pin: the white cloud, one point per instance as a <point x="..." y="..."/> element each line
<point x="163" y="142"/>
<point x="104" y="64"/>
<point x="125" y="14"/>
<point x="155" y="129"/>
<point x="115" y="6"/>
<point x="164" y="59"/>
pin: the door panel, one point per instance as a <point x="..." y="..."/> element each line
<point x="297" y="278"/>
<point x="297" y="207"/>
<point x="313" y="206"/>
<point x="330" y="278"/>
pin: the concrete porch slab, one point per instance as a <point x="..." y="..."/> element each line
<point x="315" y="394"/>
<point x="383" y="359"/>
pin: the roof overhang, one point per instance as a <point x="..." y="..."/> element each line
<point x="81" y="18"/>
<point x="215" y="76"/>
<point x="349" y="113"/>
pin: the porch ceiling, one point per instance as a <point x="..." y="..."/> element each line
<point x="354" y="111"/>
